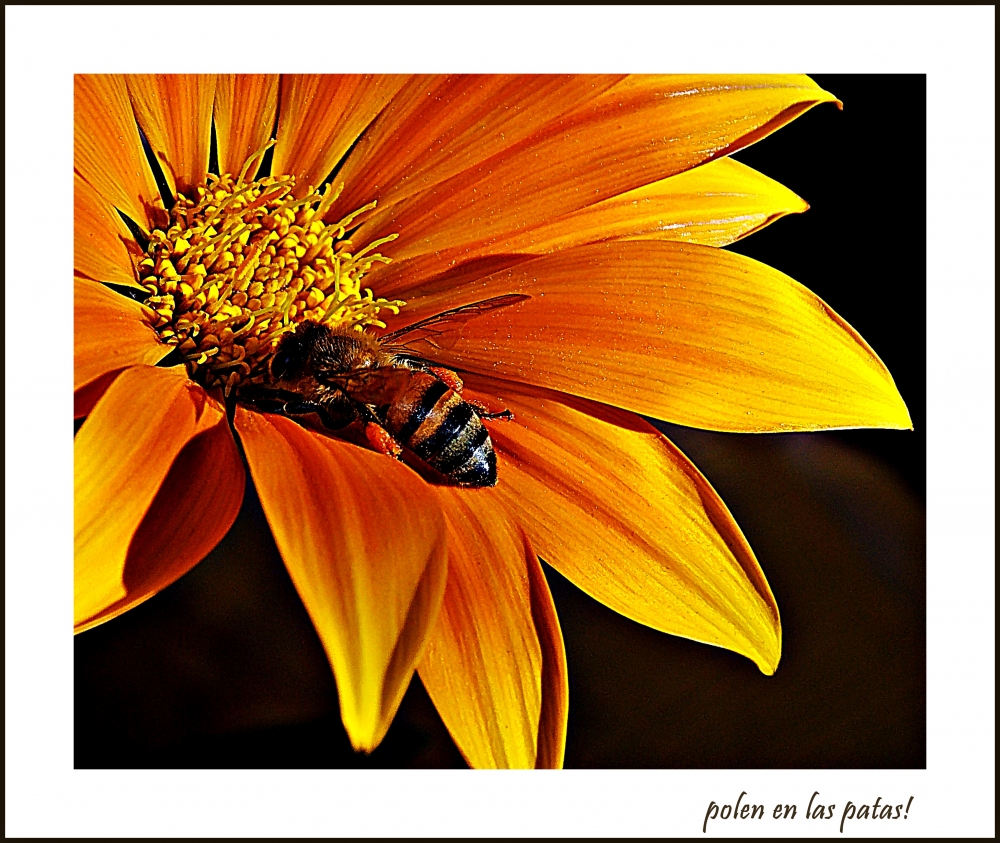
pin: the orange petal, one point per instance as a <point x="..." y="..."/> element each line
<point x="110" y="332"/>
<point x="715" y="204"/>
<point x="685" y="333"/>
<point x="642" y="130"/>
<point x="102" y="243"/>
<point x="615" y="507"/>
<point x="197" y="503"/>
<point x="245" y="105"/>
<point x="321" y="116"/>
<point x="175" y="112"/>
<point x="123" y="454"/>
<point x="437" y="126"/>
<point x="107" y="150"/>
<point x="483" y="665"/>
<point x="365" y="543"/>
<point x="554" y="717"/>
<point x="86" y="397"/>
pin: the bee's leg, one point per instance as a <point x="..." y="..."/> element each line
<point x="300" y="407"/>
<point x="451" y="380"/>
<point x="287" y="403"/>
<point x="446" y="376"/>
<point x="485" y="414"/>
<point x="381" y="440"/>
<point x="336" y="413"/>
<point x="333" y="419"/>
<point x="378" y="437"/>
<point x="272" y="400"/>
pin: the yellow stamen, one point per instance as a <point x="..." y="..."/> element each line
<point x="258" y="157"/>
<point x="331" y="196"/>
<point x="241" y="263"/>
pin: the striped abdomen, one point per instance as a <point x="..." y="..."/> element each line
<point x="443" y="430"/>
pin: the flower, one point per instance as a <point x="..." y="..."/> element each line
<point x="602" y="200"/>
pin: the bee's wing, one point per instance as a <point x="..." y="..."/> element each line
<point x="369" y="386"/>
<point x="435" y="329"/>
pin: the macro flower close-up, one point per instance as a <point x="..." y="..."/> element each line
<point x="428" y="318"/>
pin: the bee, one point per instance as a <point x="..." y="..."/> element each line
<point x="401" y="400"/>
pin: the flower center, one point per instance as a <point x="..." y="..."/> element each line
<point x="242" y="263"/>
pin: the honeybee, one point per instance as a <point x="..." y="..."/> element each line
<point x="346" y="376"/>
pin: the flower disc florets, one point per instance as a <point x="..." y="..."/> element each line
<point x="239" y="263"/>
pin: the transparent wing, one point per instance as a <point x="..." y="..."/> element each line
<point x="369" y="386"/>
<point x="435" y="329"/>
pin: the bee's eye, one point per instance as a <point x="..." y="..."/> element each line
<point x="281" y="363"/>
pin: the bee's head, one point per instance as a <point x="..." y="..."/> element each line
<point x="291" y="358"/>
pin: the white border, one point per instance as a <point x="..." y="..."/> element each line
<point x="44" y="46"/>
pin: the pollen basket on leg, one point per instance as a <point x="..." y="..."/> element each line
<point x="238" y="264"/>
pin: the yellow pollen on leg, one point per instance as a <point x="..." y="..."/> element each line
<point x="238" y="264"/>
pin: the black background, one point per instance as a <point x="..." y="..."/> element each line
<point x="223" y="669"/>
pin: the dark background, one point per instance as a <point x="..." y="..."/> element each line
<point x="223" y="669"/>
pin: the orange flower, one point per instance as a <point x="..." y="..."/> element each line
<point x="603" y="201"/>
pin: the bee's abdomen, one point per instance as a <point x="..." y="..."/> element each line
<point x="443" y="430"/>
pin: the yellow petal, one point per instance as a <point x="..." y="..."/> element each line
<point x="616" y="508"/>
<point x="364" y="541"/>
<point x="110" y="332"/>
<point x="715" y="204"/>
<point x="643" y="129"/>
<point x="175" y="112"/>
<point x="685" y="333"/>
<point x="321" y="116"/>
<point x="483" y="664"/>
<point x="245" y="106"/>
<point x="123" y="454"/>
<point x="107" y="150"/>
<point x="437" y="126"/>
<point x="102" y="243"/>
